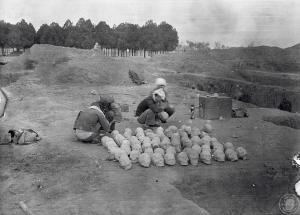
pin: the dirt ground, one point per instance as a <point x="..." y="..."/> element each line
<point x="60" y="175"/>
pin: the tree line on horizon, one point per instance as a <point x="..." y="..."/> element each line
<point x="84" y="34"/>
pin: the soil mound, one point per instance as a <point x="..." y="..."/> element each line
<point x="63" y="65"/>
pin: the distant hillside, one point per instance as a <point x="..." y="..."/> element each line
<point x="295" y="47"/>
<point x="222" y="62"/>
<point x="264" y="58"/>
<point x="270" y="66"/>
<point x="294" y="52"/>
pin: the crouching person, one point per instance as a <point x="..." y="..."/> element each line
<point x="97" y="120"/>
<point x="160" y="84"/>
<point x="152" y="110"/>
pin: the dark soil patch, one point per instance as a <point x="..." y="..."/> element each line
<point x="289" y="121"/>
<point x="246" y="191"/>
<point x="261" y="95"/>
<point x="39" y="162"/>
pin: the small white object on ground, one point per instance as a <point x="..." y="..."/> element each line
<point x="173" y="128"/>
<point x="125" y="145"/>
<point x="186" y="142"/>
<point x="114" y="133"/>
<point x="228" y="145"/>
<point x="134" y="156"/>
<point x="175" y="141"/>
<point x="146" y="145"/>
<point x="219" y="155"/>
<point x="196" y="140"/>
<point x="231" y="155"/>
<point x="160" y="132"/>
<point x="94" y="92"/>
<point x="158" y="159"/>
<point x="171" y="149"/>
<point x="165" y="143"/>
<point x="149" y="150"/>
<point x="170" y="159"/>
<point x="144" y="160"/>
<point x="117" y="153"/>
<point x="197" y="148"/>
<point x="183" y="158"/>
<point x="206" y="148"/>
<point x="205" y="156"/>
<point x="160" y="151"/>
<point x="155" y="142"/>
<point x="241" y="153"/>
<point x="193" y="157"/>
<point x="217" y="146"/>
<point x="25" y="209"/>
<point x="297" y="188"/>
<point x="195" y="131"/>
<point x="207" y="128"/>
<point x="125" y="162"/>
<point x="128" y="133"/>
<point x="169" y="132"/>
<point x="119" y="139"/>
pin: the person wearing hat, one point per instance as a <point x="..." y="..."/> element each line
<point x="161" y="83"/>
<point x="285" y="105"/>
<point x="97" y="119"/>
<point x="150" y="111"/>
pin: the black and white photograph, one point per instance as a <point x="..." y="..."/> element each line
<point x="150" y="107"/>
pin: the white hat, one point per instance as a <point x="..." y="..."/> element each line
<point x="160" y="92"/>
<point x="160" y="82"/>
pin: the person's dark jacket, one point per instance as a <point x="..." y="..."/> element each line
<point x="91" y="120"/>
<point x="285" y="105"/>
<point x="148" y="103"/>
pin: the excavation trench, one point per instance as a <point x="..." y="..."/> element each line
<point x="260" y="95"/>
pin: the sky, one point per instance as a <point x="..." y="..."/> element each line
<point x="231" y="22"/>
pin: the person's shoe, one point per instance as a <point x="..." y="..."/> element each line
<point x="156" y="125"/>
<point x="95" y="141"/>
<point x="113" y="126"/>
<point x="145" y="127"/>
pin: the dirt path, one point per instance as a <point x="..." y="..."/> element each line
<point x="62" y="176"/>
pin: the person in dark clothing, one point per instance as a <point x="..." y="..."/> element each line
<point x="160" y="83"/>
<point x="151" y="111"/>
<point x="285" y="105"/>
<point x="111" y="110"/>
<point x="99" y="118"/>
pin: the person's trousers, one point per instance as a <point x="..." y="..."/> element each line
<point x="110" y="116"/>
<point x="85" y="136"/>
<point x="148" y="117"/>
<point x="89" y="136"/>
